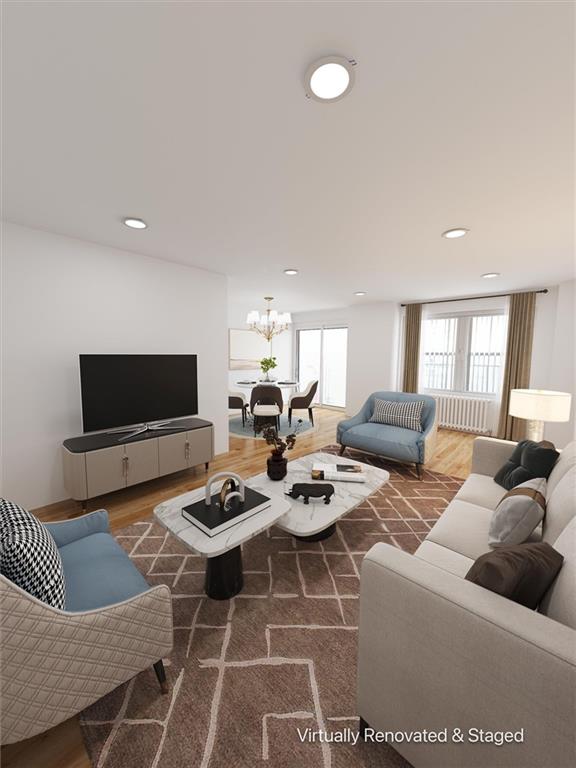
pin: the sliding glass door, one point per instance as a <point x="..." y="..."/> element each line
<point x="322" y="355"/>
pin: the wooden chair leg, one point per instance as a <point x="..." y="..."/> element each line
<point x="161" y="675"/>
<point x="311" y="416"/>
<point x="341" y="451"/>
<point x="419" y="471"/>
<point x="289" y="417"/>
<point x="243" y="418"/>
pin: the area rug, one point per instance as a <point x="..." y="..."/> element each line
<point x="247" y="673"/>
<point x="300" y="426"/>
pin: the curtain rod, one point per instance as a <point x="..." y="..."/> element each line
<point x="474" y="298"/>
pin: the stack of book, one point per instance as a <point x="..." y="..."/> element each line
<point x="351" y="473"/>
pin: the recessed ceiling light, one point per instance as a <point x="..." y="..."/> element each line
<point x="290" y="271"/>
<point x="359" y="293"/>
<point x="330" y="78"/>
<point x="489" y="275"/>
<point x="452" y="233"/>
<point x="135" y="223"/>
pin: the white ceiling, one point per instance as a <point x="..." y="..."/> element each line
<point x="193" y="117"/>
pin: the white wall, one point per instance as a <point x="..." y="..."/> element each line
<point x="372" y="346"/>
<point x="63" y="296"/>
<point x="561" y="375"/>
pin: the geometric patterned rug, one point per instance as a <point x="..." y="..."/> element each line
<point x="248" y="675"/>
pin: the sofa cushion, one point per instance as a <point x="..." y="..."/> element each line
<point x="482" y="491"/>
<point x="522" y="572"/>
<point x="384" y="440"/>
<point x="559" y="602"/>
<point x="560" y="506"/>
<point x="463" y="527"/>
<point x="29" y="556"/>
<point x="527" y="461"/>
<point x="566" y="461"/>
<point x="98" y="573"/>
<point x="444" y="558"/>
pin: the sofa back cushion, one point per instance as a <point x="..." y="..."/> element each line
<point x="559" y="603"/>
<point x="560" y="506"/>
<point x="566" y="461"/>
<point x="29" y="556"/>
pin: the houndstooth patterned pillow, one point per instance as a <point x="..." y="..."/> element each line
<point x="407" y="414"/>
<point x="29" y="556"/>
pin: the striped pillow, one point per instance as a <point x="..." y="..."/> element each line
<point x="407" y="414"/>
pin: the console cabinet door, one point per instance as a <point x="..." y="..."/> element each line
<point x="105" y="470"/>
<point x="173" y="453"/>
<point x="142" y="461"/>
<point x="200" y="446"/>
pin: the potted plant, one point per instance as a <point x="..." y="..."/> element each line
<point x="267" y="364"/>
<point x="277" y="462"/>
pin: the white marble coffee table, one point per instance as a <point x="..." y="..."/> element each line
<point x="313" y="521"/>
<point x="316" y="520"/>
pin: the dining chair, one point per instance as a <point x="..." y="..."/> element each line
<point x="266" y="403"/>
<point x="237" y="401"/>
<point x="303" y="400"/>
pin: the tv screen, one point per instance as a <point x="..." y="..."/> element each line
<point x="119" y="390"/>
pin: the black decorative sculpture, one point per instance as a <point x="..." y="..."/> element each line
<point x="312" y="490"/>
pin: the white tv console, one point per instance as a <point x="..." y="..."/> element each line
<point x="103" y="462"/>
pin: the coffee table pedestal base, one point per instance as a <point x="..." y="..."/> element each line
<point x="224" y="577"/>
<point x="320" y="536"/>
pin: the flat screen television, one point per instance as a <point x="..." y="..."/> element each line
<point x="120" y="390"/>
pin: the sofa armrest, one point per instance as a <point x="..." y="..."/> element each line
<point x="436" y="651"/>
<point x="67" y="531"/>
<point x="427" y="442"/>
<point x="489" y="454"/>
<point x="360" y="418"/>
<point x="72" y="659"/>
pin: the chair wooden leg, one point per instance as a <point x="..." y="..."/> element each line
<point x="289" y="417"/>
<point x="419" y="471"/>
<point x="341" y="451"/>
<point x="311" y="416"/>
<point x="161" y="675"/>
<point x="243" y="418"/>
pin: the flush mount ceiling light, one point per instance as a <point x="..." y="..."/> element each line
<point x="489" y="275"/>
<point x="330" y="78"/>
<point x="450" y="234"/>
<point x="135" y="223"/>
<point x="290" y="271"/>
<point x="359" y="293"/>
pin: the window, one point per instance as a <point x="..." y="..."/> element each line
<point x="322" y="355"/>
<point x="463" y="353"/>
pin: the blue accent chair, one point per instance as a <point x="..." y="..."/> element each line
<point x="405" y="445"/>
<point x="55" y="663"/>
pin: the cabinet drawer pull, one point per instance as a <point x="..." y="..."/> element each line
<point x="186" y="450"/>
<point x="125" y="466"/>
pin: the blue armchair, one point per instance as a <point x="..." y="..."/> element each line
<point x="54" y="662"/>
<point x="398" y="443"/>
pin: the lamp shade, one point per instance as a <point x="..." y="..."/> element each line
<point x="540" y="404"/>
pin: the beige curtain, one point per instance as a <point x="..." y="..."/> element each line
<point x="412" y="347"/>
<point x="517" y="364"/>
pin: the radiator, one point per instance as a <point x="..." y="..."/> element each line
<point x="469" y="414"/>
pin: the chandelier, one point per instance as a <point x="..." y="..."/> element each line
<point x="269" y="323"/>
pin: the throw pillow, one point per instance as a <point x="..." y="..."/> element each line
<point x="518" y="513"/>
<point x="528" y="461"/>
<point x="407" y="414"/>
<point x="29" y="556"/>
<point x="522" y="573"/>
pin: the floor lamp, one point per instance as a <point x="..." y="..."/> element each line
<point x="538" y="406"/>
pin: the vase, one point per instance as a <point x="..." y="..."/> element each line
<point x="277" y="467"/>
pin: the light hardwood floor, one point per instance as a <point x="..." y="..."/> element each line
<point x="62" y="747"/>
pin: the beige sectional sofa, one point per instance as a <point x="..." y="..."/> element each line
<point x="438" y="652"/>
